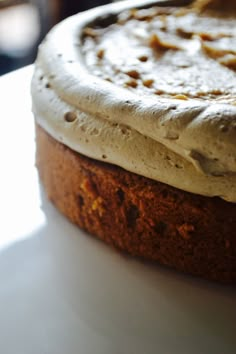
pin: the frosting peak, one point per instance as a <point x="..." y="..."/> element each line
<point x="161" y="129"/>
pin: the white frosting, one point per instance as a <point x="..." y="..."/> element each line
<point x="180" y="143"/>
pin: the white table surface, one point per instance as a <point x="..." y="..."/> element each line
<point x="64" y="292"/>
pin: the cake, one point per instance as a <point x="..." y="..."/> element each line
<point x="135" y="112"/>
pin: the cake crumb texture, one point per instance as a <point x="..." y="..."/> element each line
<point x="139" y="216"/>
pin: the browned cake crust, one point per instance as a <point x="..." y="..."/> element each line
<point x="148" y="219"/>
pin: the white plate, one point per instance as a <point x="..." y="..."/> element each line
<point x="64" y="292"/>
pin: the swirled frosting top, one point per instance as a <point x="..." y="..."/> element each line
<point x="151" y="89"/>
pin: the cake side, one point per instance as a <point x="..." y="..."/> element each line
<point x="148" y="219"/>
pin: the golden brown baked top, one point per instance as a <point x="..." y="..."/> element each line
<point x="168" y="52"/>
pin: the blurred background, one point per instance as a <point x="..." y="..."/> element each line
<point x="23" y="25"/>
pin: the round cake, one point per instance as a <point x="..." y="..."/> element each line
<point x="135" y="111"/>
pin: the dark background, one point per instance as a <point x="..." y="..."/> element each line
<point x="30" y="20"/>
